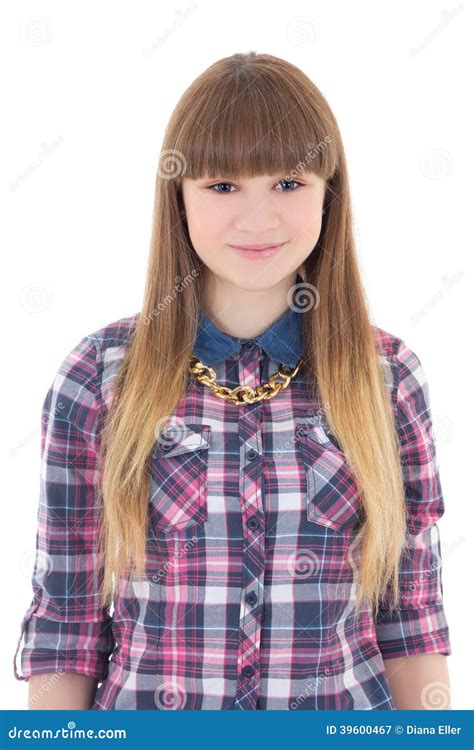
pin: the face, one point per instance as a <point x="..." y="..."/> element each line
<point x="263" y="210"/>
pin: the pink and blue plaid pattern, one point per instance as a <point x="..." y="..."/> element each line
<point x="248" y="598"/>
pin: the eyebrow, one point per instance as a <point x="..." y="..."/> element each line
<point x="223" y="177"/>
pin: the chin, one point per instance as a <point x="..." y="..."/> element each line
<point x="257" y="280"/>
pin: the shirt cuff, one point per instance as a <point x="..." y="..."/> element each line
<point x="58" y="646"/>
<point x="407" y="632"/>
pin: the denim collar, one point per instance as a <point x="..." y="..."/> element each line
<point x="282" y="340"/>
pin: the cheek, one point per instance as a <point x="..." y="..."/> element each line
<point x="306" y="222"/>
<point x="203" y="238"/>
<point x="207" y="226"/>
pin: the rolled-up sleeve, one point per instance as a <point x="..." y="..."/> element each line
<point x="65" y="628"/>
<point x="419" y="625"/>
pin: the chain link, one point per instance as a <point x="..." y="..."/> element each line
<point x="243" y="394"/>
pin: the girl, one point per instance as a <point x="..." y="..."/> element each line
<point x="265" y="533"/>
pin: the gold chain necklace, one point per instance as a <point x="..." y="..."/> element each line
<point x="243" y="394"/>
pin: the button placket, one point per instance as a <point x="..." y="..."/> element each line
<point x="249" y="365"/>
<point x="253" y="530"/>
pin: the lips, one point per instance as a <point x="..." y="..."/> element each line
<point x="258" y="247"/>
<point x="257" y="252"/>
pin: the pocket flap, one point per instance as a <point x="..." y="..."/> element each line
<point x="181" y="439"/>
<point x="318" y="430"/>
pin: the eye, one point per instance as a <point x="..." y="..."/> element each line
<point x="219" y="184"/>
<point x="290" y="182"/>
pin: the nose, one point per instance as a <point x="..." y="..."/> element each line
<point x="257" y="216"/>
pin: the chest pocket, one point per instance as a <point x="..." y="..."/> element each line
<point x="332" y="498"/>
<point x="178" y="486"/>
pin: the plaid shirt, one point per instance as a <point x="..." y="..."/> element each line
<point x="248" y="598"/>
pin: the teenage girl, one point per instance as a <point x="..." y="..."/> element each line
<point x="239" y="487"/>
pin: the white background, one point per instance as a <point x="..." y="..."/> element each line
<point x="87" y="92"/>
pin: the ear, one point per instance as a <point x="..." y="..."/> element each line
<point x="302" y="271"/>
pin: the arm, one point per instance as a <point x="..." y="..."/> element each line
<point x="68" y="634"/>
<point x="61" y="691"/>
<point x="419" y="682"/>
<point x="414" y="639"/>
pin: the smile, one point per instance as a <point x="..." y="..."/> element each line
<point x="257" y="251"/>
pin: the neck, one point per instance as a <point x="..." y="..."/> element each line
<point x="245" y="313"/>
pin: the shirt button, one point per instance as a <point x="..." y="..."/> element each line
<point x="248" y="671"/>
<point x="251" y="598"/>
<point x="253" y="523"/>
<point x="251" y="454"/>
<point x="249" y="345"/>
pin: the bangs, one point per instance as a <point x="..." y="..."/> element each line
<point x="240" y="126"/>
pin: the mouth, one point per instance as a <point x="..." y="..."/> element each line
<point x="257" y="247"/>
<point x="257" y="251"/>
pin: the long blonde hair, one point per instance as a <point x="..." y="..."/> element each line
<point x="253" y="114"/>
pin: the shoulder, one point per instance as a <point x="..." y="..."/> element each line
<point x="400" y="356"/>
<point x="85" y="375"/>
<point x="387" y="343"/>
<point x="94" y="345"/>
<point x="406" y="376"/>
<point x="114" y="334"/>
